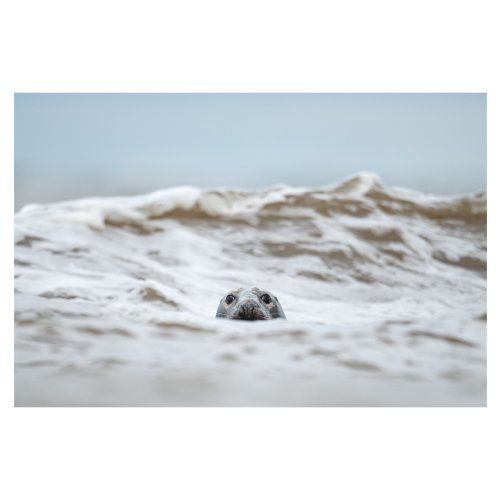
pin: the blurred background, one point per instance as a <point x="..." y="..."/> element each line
<point x="75" y="145"/>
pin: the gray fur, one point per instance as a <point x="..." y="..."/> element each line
<point x="249" y="304"/>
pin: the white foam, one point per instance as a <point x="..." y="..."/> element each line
<point x="367" y="299"/>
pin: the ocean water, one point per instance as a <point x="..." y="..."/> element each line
<point x="384" y="290"/>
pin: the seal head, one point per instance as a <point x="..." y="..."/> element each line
<point x="250" y="304"/>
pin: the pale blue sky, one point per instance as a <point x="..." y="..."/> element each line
<point x="96" y="144"/>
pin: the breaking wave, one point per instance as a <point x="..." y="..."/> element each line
<point x="384" y="290"/>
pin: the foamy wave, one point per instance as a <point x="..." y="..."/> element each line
<point x="359" y="195"/>
<point x="384" y="290"/>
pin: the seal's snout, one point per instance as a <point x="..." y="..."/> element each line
<point x="249" y="310"/>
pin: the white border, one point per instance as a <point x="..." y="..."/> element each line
<point x="223" y="46"/>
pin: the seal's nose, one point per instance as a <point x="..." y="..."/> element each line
<point x="249" y="310"/>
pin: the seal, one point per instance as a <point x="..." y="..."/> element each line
<point x="250" y="304"/>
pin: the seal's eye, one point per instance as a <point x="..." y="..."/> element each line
<point x="266" y="298"/>
<point x="230" y="299"/>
